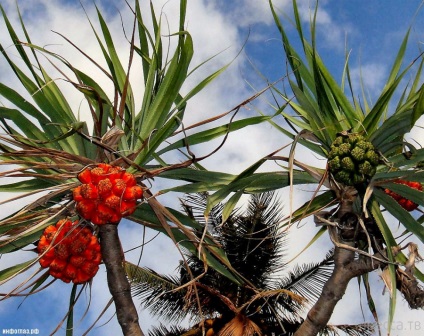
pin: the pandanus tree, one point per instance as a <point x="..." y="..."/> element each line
<point x="85" y="177"/>
<point x="373" y="175"/>
<point x="371" y="168"/>
<point x="269" y="302"/>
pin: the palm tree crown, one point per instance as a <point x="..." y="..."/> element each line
<point x="263" y="303"/>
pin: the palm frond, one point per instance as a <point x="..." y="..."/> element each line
<point x="194" y="205"/>
<point x="214" y="291"/>
<point x="157" y="292"/>
<point x="166" y="331"/>
<point x="252" y="240"/>
<point x="307" y="280"/>
<point x="139" y="275"/>
<point x="363" y="329"/>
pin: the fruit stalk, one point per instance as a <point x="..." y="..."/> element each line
<point x="119" y="287"/>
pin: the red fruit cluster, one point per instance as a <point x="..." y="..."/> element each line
<point x="71" y="252"/>
<point x="107" y="194"/>
<point x="403" y="202"/>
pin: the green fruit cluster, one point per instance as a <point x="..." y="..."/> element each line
<point x="352" y="159"/>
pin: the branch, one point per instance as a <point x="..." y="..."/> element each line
<point x="410" y="289"/>
<point x="119" y="286"/>
<point x="407" y="284"/>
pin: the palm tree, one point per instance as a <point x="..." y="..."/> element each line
<point x="267" y="302"/>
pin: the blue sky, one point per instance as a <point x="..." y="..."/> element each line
<point x="373" y="31"/>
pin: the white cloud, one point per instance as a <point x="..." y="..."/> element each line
<point x="250" y="12"/>
<point x="372" y="76"/>
<point x="416" y="136"/>
<point x="331" y="33"/>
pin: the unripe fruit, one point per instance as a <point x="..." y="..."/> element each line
<point x="352" y="159"/>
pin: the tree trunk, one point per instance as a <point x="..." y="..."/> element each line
<point x="119" y="287"/>
<point x="346" y="267"/>
<point x="332" y="292"/>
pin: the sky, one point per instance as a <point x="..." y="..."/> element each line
<point x="241" y="32"/>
